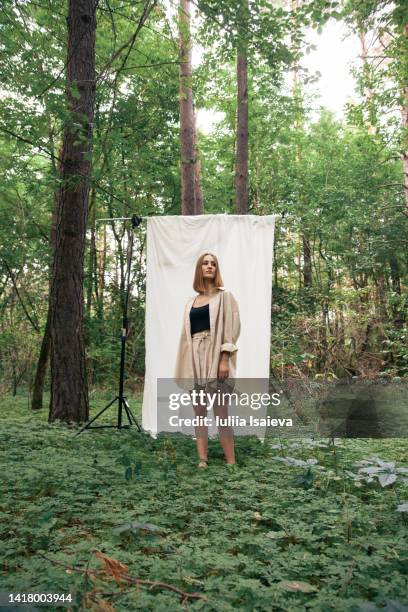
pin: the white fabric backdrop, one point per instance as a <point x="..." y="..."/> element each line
<point x="243" y="245"/>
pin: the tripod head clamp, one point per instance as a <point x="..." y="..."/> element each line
<point x="136" y="221"/>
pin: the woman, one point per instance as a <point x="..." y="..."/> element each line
<point x="207" y="351"/>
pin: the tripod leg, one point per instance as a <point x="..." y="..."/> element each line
<point x="87" y="425"/>
<point x="128" y="412"/>
<point x="131" y="418"/>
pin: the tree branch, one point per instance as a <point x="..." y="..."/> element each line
<point x="130" y="579"/>
<point x="13" y="280"/>
<point x="129" y="44"/>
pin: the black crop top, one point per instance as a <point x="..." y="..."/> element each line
<point x="199" y="318"/>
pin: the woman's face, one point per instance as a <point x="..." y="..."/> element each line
<point x="209" y="267"/>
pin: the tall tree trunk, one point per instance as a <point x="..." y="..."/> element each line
<point x="295" y="5"/>
<point x="186" y="113"/>
<point x="69" y="389"/>
<point x="241" y="162"/>
<point x="404" y="112"/>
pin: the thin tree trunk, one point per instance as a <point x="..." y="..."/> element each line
<point x="69" y="389"/>
<point x="43" y="358"/>
<point x="299" y="263"/>
<point x="381" y="297"/>
<point x="275" y="265"/>
<point x="341" y="326"/>
<point x="198" y="189"/>
<point x="397" y="312"/>
<point x="42" y="363"/>
<point x="92" y="253"/>
<point x="395" y="274"/>
<point x="41" y="371"/>
<point x="323" y="341"/>
<point x="101" y="277"/>
<point x="12" y="353"/>
<point x="241" y="163"/>
<point x="186" y="113"/>
<point x="307" y="262"/>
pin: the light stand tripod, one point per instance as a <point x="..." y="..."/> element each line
<point x="123" y="404"/>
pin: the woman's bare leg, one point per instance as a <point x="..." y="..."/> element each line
<point x="226" y="434"/>
<point x="201" y="432"/>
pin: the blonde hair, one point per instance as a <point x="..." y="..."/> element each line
<point x="198" y="284"/>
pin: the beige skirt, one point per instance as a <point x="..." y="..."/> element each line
<point x="201" y="357"/>
<point x="202" y="365"/>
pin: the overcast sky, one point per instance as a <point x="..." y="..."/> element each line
<point x="334" y="56"/>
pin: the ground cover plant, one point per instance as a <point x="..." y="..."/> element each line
<point x="127" y="522"/>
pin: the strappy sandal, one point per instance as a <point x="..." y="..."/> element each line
<point x="202" y="464"/>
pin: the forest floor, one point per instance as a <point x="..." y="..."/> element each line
<point x="122" y="521"/>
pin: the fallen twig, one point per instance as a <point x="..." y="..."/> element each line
<point x="153" y="584"/>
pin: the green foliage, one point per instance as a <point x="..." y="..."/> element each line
<point x="338" y="182"/>
<point x="134" y="170"/>
<point x="255" y="25"/>
<point x="250" y="538"/>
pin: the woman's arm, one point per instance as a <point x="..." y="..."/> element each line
<point x="231" y="324"/>
<point x="231" y="330"/>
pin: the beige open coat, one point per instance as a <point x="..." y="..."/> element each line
<point x="224" y="329"/>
